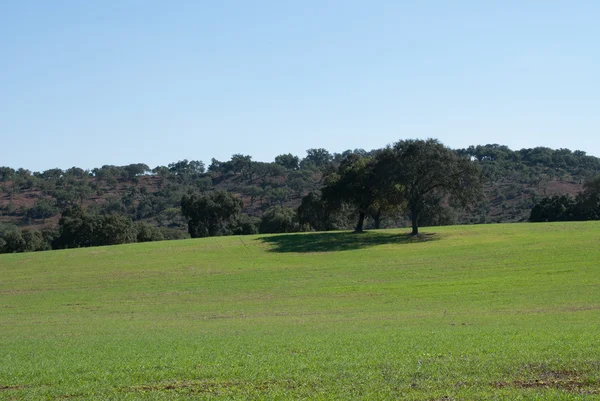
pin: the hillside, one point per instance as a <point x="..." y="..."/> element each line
<point x="462" y="312"/>
<point x="515" y="181"/>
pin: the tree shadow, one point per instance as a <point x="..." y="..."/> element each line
<point x="339" y="241"/>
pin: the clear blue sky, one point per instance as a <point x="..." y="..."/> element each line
<point x="87" y="83"/>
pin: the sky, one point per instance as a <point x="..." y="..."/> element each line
<point x="88" y="83"/>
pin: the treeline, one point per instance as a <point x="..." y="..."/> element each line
<point x="585" y="206"/>
<point x="320" y="191"/>
<point x="78" y="228"/>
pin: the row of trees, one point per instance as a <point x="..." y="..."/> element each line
<point x="140" y="193"/>
<point x="183" y="170"/>
<point x="410" y="183"/>
<point x="78" y="228"/>
<point x="494" y="155"/>
<point x="515" y="181"/>
<point x="412" y="175"/>
<point x="220" y="213"/>
<point x="585" y="206"/>
<point x="213" y="214"/>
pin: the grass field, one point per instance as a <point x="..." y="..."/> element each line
<point x="462" y="313"/>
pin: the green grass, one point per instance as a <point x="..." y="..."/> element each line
<point x="468" y="312"/>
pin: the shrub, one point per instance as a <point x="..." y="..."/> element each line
<point x="279" y="220"/>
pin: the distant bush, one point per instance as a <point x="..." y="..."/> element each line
<point x="279" y="220"/>
<point x="586" y="206"/>
<point x="80" y="229"/>
<point x="11" y="239"/>
<point x="246" y="225"/>
<point x="34" y="241"/>
<point x="43" y="209"/>
<point x="147" y="232"/>
<point x="214" y="214"/>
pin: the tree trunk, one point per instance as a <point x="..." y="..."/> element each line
<point x="377" y="220"/>
<point x="361" y="222"/>
<point x="414" y="214"/>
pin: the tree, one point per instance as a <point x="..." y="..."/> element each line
<point x="211" y="214"/>
<point x="360" y="183"/>
<point x="11" y="239"/>
<point x="323" y="214"/>
<point x="185" y="167"/>
<point x="82" y="192"/>
<point x="279" y="220"/>
<point x="65" y="197"/>
<point x="555" y="208"/>
<point x="245" y="225"/>
<point x="436" y="213"/>
<point x="113" y="230"/>
<point x="288" y="161"/>
<point x="34" y="241"/>
<point x="220" y="167"/>
<point x="148" y="232"/>
<point x="589" y="199"/>
<point x="6" y="174"/>
<point x="421" y="167"/>
<point x="43" y="209"/>
<point x="23" y="179"/>
<point x="163" y="174"/>
<point x="389" y="204"/>
<point x="76" y="229"/>
<point x="317" y="158"/>
<point x="278" y="195"/>
<point x="316" y="212"/>
<point x="355" y="183"/>
<point x="253" y="192"/>
<point x="299" y="181"/>
<point x="136" y="169"/>
<point x="586" y="206"/>
<point x="52" y="174"/>
<point x="240" y="163"/>
<point x="80" y="229"/>
<point x="265" y="172"/>
<point x="75" y="172"/>
<point x="203" y="184"/>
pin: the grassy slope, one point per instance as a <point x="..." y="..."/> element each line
<point x="479" y="312"/>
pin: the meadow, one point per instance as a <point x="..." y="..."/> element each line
<point x="488" y="312"/>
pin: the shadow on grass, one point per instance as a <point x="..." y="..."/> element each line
<point x="339" y="241"/>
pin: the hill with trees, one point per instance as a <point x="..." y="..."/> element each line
<point x="354" y="189"/>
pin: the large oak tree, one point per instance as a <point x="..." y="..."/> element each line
<point x="360" y="183"/>
<point x="213" y="214"/>
<point x="426" y="169"/>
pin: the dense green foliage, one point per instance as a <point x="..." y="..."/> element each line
<point x="413" y="175"/>
<point x="586" y="206"/>
<point x="213" y="214"/>
<point x="514" y="181"/>
<point x="357" y="184"/>
<point x="487" y="312"/>
<point x="80" y="229"/>
<point x="428" y="172"/>
<point x="279" y="220"/>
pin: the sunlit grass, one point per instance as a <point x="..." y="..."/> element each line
<point x="479" y="312"/>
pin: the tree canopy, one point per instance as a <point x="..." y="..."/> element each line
<point x="213" y="214"/>
<point x="414" y="182"/>
<point x="426" y="169"/>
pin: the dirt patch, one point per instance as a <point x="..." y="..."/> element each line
<point x="5" y="388"/>
<point x="562" y="187"/>
<point x="567" y="380"/>
<point x="207" y="386"/>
